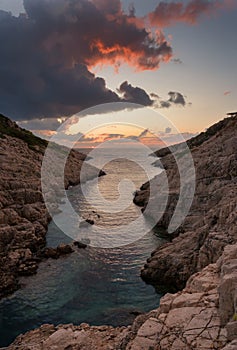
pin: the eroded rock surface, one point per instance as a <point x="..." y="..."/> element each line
<point x="212" y="221"/>
<point x="23" y="215"/>
<point x="201" y="260"/>
<point x="202" y="316"/>
<point x="70" y="337"/>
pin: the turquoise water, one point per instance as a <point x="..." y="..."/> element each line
<point x="95" y="285"/>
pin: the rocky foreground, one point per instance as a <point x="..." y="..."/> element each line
<point x="200" y="262"/>
<point x="23" y="215"/>
<point x="202" y="316"/>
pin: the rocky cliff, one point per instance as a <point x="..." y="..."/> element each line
<point x="212" y="221"/>
<point x="200" y="261"/>
<point x="23" y="215"/>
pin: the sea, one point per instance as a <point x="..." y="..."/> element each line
<point x="98" y="285"/>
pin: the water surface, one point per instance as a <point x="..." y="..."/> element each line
<point x="98" y="286"/>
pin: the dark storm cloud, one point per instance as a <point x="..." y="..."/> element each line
<point x="134" y="94"/>
<point x="46" y="55"/>
<point x="37" y="81"/>
<point x="41" y="124"/>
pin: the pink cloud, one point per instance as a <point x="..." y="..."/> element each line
<point x="167" y="14"/>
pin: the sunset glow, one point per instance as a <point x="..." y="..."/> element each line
<point x="162" y="54"/>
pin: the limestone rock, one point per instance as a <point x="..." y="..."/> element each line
<point x="71" y="337"/>
<point x="64" y="249"/>
<point x="189" y="319"/>
<point x="201" y="260"/>
<point x="212" y="222"/>
<point x="23" y="215"/>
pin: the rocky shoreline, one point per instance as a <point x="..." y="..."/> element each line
<point x="212" y="221"/>
<point x="23" y="217"/>
<point x="201" y="316"/>
<point x="200" y="261"/>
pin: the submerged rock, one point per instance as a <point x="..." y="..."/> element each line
<point x="64" y="249"/>
<point x="80" y="244"/>
<point x="55" y="253"/>
<point x="50" y="253"/>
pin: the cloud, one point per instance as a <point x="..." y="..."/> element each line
<point x="177" y="61"/>
<point x="41" y="124"/>
<point x="154" y="95"/>
<point x="170" y="13"/>
<point x="95" y="32"/>
<point x="168" y="130"/>
<point x="45" y="134"/>
<point x="165" y="104"/>
<point x="47" y="55"/>
<point x="175" y="98"/>
<point x="108" y="137"/>
<point x="226" y="93"/>
<point x="144" y="133"/>
<point x="135" y="94"/>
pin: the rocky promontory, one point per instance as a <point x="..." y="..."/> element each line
<point x="23" y="215"/>
<point x="212" y="220"/>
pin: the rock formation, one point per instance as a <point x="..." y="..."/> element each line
<point x="200" y="261"/>
<point x="212" y="221"/>
<point x="200" y="317"/>
<point x="23" y="215"/>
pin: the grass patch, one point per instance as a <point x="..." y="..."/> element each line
<point x="9" y="128"/>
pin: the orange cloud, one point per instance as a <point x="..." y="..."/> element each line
<point x="65" y="39"/>
<point x="132" y="42"/>
<point x="140" y="56"/>
<point x="47" y="134"/>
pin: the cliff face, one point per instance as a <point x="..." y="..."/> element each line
<point x="212" y="221"/>
<point x="23" y="215"/>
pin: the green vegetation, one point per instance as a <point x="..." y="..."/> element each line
<point x="7" y="127"/>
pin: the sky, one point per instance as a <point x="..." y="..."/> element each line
<point x="59" y="57"/>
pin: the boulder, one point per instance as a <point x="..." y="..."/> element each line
<point x="64" y="249"/>
<point x="80" y="244"/>
<point x="51" y="253"/>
